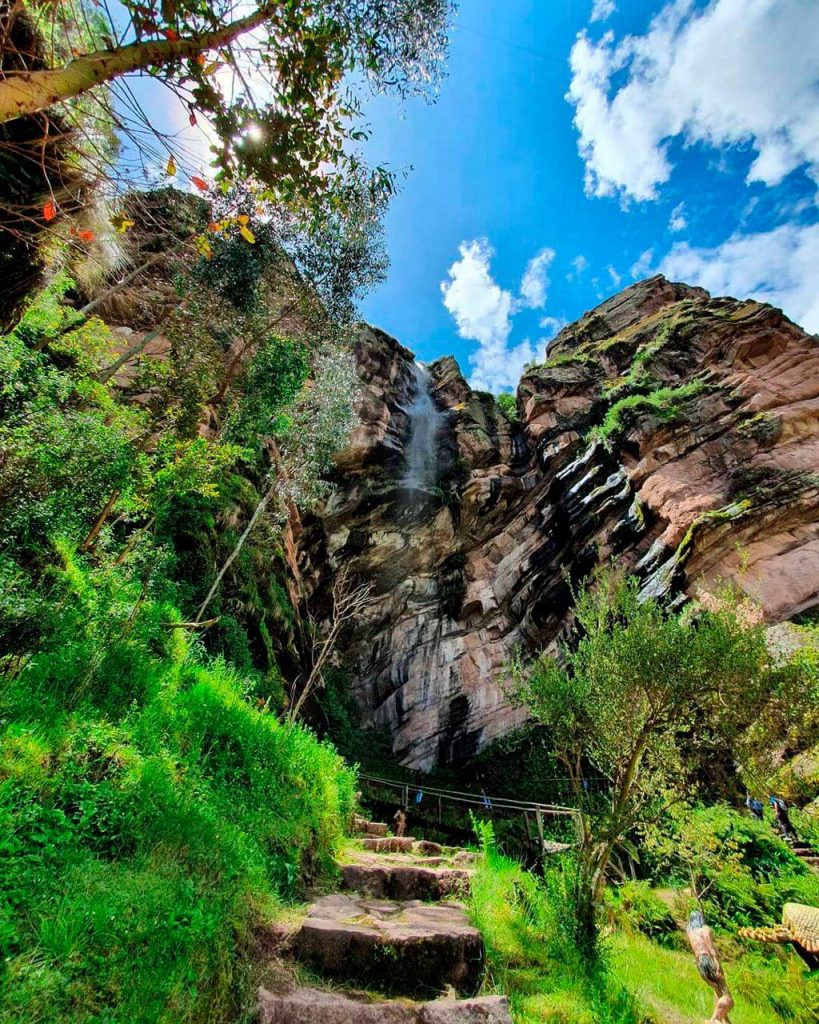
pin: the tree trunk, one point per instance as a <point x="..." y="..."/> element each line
<point x="262" y="505"/>
<point x="88" y="543"/>
<point x="28" y="92"/>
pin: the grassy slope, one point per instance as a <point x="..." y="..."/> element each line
<point x="531" y="958"/>
<point x="150" y="814"/>
<point x="151" y="809"/>
<point x="666" y="982"/>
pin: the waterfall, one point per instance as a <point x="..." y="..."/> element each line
<point x="425" y="425"/>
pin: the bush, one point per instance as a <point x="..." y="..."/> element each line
<point x="742" y="871"/>
<point x="636" y="907"/>
<point x="665" y="403"/>
<point x="509" y="405"/>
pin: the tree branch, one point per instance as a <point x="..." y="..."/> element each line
<point x="28" y="92"/>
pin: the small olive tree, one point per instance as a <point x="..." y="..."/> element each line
<point x="623" y="704"/>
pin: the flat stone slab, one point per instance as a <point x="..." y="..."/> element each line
<point x="427" y="848"/>
<point x="405" y="947"/>
<point x="464" y="857"/>
<point x="375" y="876"/>
<point x="312" y="1006"/>
<point x="370" y="828"/>
<point x="488" y="1010"/>
<point x="389" y="844"/>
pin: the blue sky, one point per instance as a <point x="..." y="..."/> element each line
<point x="690" y="145"/>
<point x="576" y="146"/>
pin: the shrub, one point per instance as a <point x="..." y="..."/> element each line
<point x="509" y="405"/>
<point x="666" y="403"/>
<point x="743" y="873"/>
<point x="636" y="907"/>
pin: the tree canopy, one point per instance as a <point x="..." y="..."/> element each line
<point x="279" y="81"/>
<point x="626" y="702"/>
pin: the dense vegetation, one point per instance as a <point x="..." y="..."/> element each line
<point x="157" y="797"/>
<point x="646" y="707"/>
<point x="150" y="815"/>
<point x="644" y="970"/>
<point x="658" y="719"/>
<point x="153" y="805"/>
<point x="159" y="800"/>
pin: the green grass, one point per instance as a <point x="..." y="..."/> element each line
<point x="665" y="402"/>
<point x="666" y="982"/>
<point x="526" y="924"/>
<point x="530" y="955"/>
<point x="151" y="814"/>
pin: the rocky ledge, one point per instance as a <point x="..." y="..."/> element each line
<point x="675" y="433"/>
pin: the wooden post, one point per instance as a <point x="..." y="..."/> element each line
<point x="539" y="821"/>
<point x="406" y="797"/>
<point x="440" y="812"/>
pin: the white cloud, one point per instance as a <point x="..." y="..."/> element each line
<point x="778" y="266"/>
<point x="535" y="280"/>
<point x="678" y="220"/>
<point x="482" y="311"/>
<point x="580" y="263"/>
<point x="615" y="277"/>
<point x="642" y="266"/>
<point x="602" y="10"/>
<point x="736" y="71"/>
<point x="552" y="325"/>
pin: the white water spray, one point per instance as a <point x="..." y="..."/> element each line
<point x="425" y="426"/>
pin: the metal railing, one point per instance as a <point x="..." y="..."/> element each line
<point x="538" y="811"/>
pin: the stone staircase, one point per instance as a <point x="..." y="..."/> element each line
<point x="806" y="854"/>
<point x="394" y="930"/>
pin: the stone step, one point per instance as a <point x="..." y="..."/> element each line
<point x="425" y="848"/>
<point x="422" y="847"/>
<point x="389" y="844"/>
<point x="402" y="947"/>
<point x="369" y="828"/>
<point x="313" y="1006"/>
<point x="375" y="876"/>
<point x="462" y="857"/>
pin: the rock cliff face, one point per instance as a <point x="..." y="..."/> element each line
<point x="674" y="433"/>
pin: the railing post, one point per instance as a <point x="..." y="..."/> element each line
<point x="539" y="820"/>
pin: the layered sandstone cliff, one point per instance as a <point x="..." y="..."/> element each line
<point x="674" y="433"/>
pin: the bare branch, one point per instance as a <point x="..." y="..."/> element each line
<point x="348" y="599"/>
